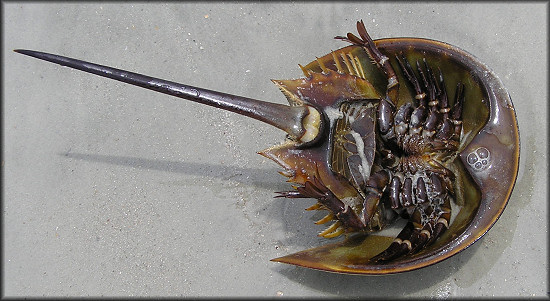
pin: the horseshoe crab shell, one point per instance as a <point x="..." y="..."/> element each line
<point x="487" y="166"/>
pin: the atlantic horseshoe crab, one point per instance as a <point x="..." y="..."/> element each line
<point x="427" y="133"/>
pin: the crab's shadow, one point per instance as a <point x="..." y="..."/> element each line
<point x="224" y="172"/>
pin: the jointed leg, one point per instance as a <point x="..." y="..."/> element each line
<point x="407" y="70"/>
<point x="317" y="190"/>
<point x="382" y="61"/>
<point x="456" y="112"/>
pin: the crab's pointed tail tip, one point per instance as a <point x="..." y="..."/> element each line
<point x="32" y="53"/>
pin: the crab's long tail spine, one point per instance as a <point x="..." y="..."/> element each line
<point x="288" y="118"/>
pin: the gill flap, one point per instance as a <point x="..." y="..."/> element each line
<point x="354" y="143"/>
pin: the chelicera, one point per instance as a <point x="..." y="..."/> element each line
<point x="372" y="151"/>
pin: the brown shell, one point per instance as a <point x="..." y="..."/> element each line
<point x="490" y="135"/>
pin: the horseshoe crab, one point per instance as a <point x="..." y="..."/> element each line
<point x="378" y="143"/>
